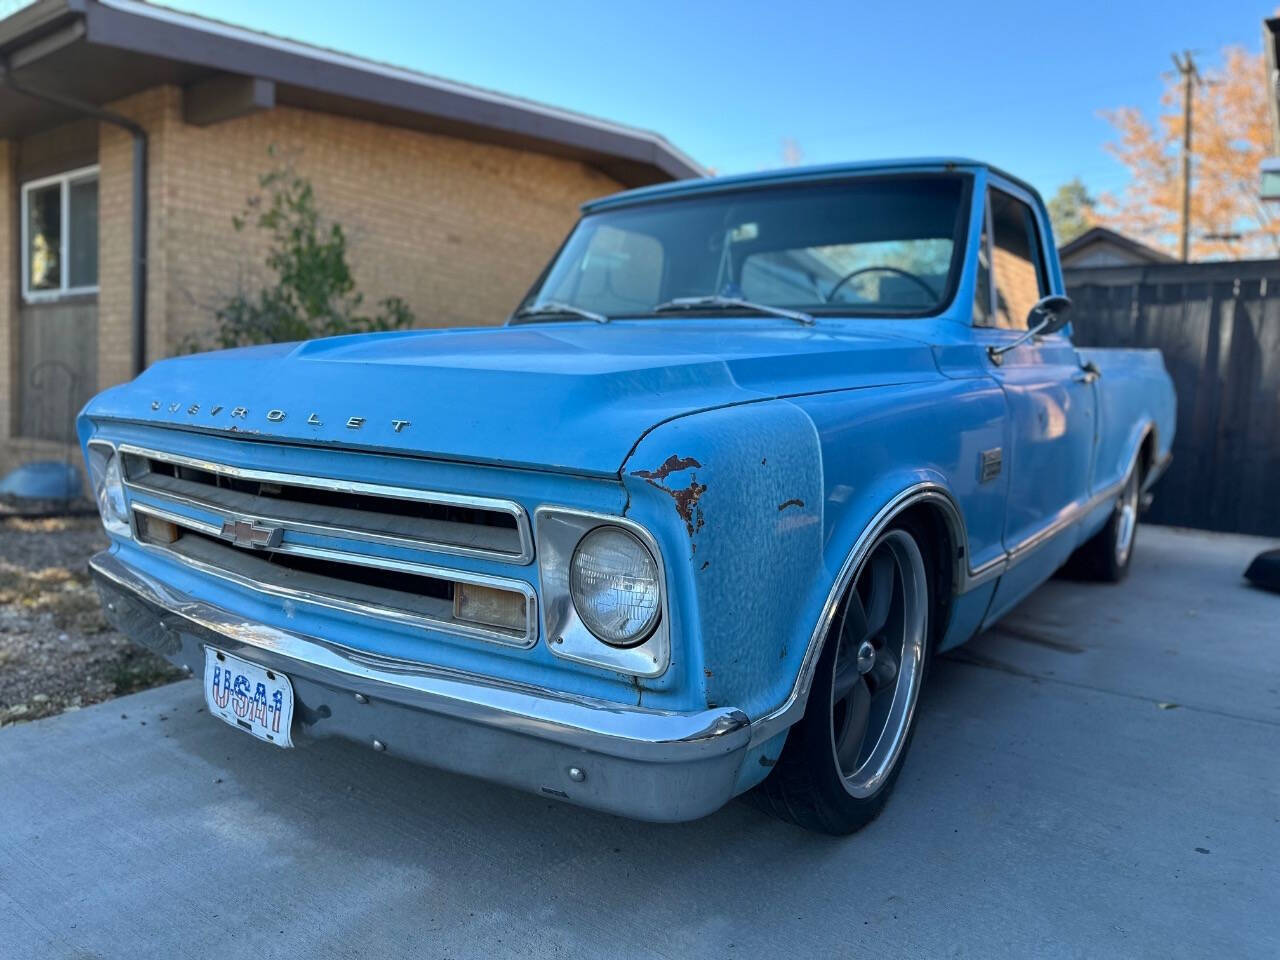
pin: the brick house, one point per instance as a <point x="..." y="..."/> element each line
<point x="452" y="197"/>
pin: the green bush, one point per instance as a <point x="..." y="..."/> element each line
<point x="313" y="293"/>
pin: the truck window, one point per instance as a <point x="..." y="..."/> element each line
<point x="1017" y="261"/>
<point x="620" y="270"/>
<point x="876" y="245"/>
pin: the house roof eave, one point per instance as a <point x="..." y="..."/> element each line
<point x="157" y="45"/>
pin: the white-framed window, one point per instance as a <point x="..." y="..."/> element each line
<point x="60" y="235"/>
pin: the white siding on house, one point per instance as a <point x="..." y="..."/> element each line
<point x="1100" y="253"/>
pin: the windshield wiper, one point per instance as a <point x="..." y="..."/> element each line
<point x="555" y="308"/>
<point x="731" y="303"/>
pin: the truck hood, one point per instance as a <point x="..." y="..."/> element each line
<point x="563" y="396"/>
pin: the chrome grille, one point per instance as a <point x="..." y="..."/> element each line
<point x="400" y="516"/>
<point x="284" y="535"/>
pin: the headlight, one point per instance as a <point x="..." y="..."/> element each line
<point x="613" y="580"/>
<point x="108" y="488"/>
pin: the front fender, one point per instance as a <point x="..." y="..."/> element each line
<point x="763" y="537"/>
<point x="736" y="497"/>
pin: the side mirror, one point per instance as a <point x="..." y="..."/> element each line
<point x="1048" y="315"/>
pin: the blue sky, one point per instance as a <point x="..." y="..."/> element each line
<point x="1016" y="83"/>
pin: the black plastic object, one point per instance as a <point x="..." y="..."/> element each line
<point x="1265" y="570"/>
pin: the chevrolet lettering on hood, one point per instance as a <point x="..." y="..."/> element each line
<point x="274" y="415"/>
<point x="692" y="522"/>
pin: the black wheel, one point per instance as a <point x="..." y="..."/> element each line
<point x="843" y="757"/>
<point x="1105" y="556"/>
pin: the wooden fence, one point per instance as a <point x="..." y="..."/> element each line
<point x="1218" y="325"/>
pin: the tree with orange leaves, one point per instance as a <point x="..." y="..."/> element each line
<point x="1230" y="135"/>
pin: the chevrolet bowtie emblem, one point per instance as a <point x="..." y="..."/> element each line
<point x="246" y="533"/>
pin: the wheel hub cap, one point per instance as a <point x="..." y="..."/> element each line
<point x="879" y="663"/>
<point x="866" y="657"/>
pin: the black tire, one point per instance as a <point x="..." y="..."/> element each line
<point x="808" y="786"/>
<point x="1106" y="556"/>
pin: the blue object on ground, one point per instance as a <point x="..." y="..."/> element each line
<point x="42" y="480"/>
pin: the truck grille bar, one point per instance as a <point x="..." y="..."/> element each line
<point x="448" y="523"/>
<point x="405" y="592"/>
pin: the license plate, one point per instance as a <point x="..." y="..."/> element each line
<point x="251" y="697"/>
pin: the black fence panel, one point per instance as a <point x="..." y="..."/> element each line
<point x="1218" y="325"/>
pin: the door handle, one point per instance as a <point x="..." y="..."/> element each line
<point x="1088" y="373"/>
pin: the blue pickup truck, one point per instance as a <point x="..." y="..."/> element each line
<point x="750" y="452"/>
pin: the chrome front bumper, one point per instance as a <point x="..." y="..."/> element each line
<point x="647" y="764"/>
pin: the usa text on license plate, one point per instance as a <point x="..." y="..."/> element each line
<point x="249" y="696"/>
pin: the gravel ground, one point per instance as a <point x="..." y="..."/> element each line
<point x="56" y="651"/>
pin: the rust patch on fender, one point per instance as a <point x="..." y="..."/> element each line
<point x="687" y="505"/>
<point x="672" y="464"/>
<point x="686" y="498"/>
<point x="790" y="503"/>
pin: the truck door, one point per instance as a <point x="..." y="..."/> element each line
<point x="1050" y="439"/>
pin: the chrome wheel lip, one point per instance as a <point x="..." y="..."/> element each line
<point x="872" y="773"/>
<point x="1127" y="519"/>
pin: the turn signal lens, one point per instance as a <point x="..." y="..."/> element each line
<point x="154" y="530"/>
<point x="613" y="581"/>
<point x="491" y="607"/>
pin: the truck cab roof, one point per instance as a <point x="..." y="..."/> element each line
<point x="694" y="187"/>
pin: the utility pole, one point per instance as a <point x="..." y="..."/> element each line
<point x="1270" y="39"/>
<point x="1190" y="76"/>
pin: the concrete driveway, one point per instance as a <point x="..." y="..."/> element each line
<point x="1099" y="777"/>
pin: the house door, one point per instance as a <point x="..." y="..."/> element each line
<point x="58" y="319"/>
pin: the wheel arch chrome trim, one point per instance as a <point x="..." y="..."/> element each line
<point x="1156" y="466"/>
<point x="964" y="579"/>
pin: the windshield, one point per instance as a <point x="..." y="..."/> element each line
<point x="884" y="245"/>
